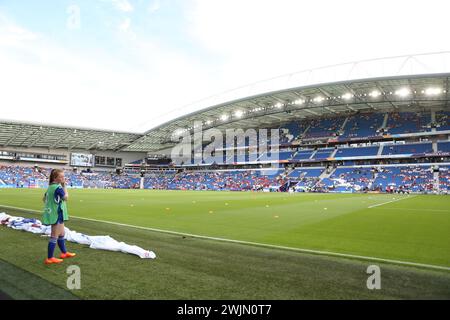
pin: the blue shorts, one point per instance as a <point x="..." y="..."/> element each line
<point x="60" y="217"/>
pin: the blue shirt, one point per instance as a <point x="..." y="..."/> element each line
<point x="59" y="195"/>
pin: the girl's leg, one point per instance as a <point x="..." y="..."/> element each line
<point x="61" y="240"/>
<point x="61" y="230"/>
<point x="52" y="241"/>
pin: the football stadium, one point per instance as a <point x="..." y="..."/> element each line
<point x="347" y="175"/>
<point x="118" y="181"/>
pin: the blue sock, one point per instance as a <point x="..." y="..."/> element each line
<point x="51" y="247"/>
<point x="62" y="244"/>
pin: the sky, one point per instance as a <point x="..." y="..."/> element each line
<point x="130" y="65"/>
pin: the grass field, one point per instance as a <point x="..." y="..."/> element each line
<point x="410" y="229"/>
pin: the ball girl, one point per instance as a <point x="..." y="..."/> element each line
<point x="55" y="213"/>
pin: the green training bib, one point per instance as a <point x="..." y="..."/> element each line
<point x="50" y="215"/>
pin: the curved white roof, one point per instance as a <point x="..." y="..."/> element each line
<point x="337" y="89"/>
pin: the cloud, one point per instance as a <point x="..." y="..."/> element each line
<point x="14" y="35"/>
<point x="45" y="82"/>
<point x="154" y="6"/>
<point x="122" y="5"/>
<point x="124" y="26"/>
<point x="151" y="79"/>
<point x="258" y="39"/>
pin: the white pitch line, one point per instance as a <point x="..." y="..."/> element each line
<point x="318" y="252"/>
<point x="421" y="210"/>
<point x="382" y="204"/>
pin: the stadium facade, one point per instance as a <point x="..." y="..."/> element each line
<point x="377" y="134"/>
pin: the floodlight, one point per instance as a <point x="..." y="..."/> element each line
<point x="239" y="114"/>
<point x="347" y="96"/>
<point x="375" y="94"/>
<point x="433" y="91"/>
<point x="319" y="99"/>
<point x="403" y="92"/>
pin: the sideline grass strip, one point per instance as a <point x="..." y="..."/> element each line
<point x="319" y="252"/>
<point x="190" y="268"/>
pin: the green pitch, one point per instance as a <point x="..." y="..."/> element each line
<point x="412" y="229"/>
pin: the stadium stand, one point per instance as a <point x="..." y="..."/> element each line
<point x="404" y="178"/>
<point x="233" y="180"/>
<point x="31" y="177"/>
<point x="323" y="153"/>
<point x="16" y="176"/>
<point x="305" y="179"/>
<point x="282" y="155"/>
<point x="363" y="125"/>
<point x="159" y="180"/>
<point x="348" y="179"/>
<point x="413" y="148"/>
<point x="442" y="120"/>
<point x="327" y="127"/>
<point x="357" y="152"/>
<point x="302" y="172"/>
<point x="110" y="181"/>
<point x="443" y="146"/>
<point x="294" y="129"/>
<point x="303" y="155"/>
<point x="408" y="179"/>
<point x="444" y="179"/>
<point x="339" y="165"/>
<point x="408" y="122"/>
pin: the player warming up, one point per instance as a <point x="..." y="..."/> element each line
<point x="55" y="213"/>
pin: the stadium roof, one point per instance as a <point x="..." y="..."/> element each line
<point x="409" y="93"/>
<point x="413" y="82"/>
<point x="14" y="134"/>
